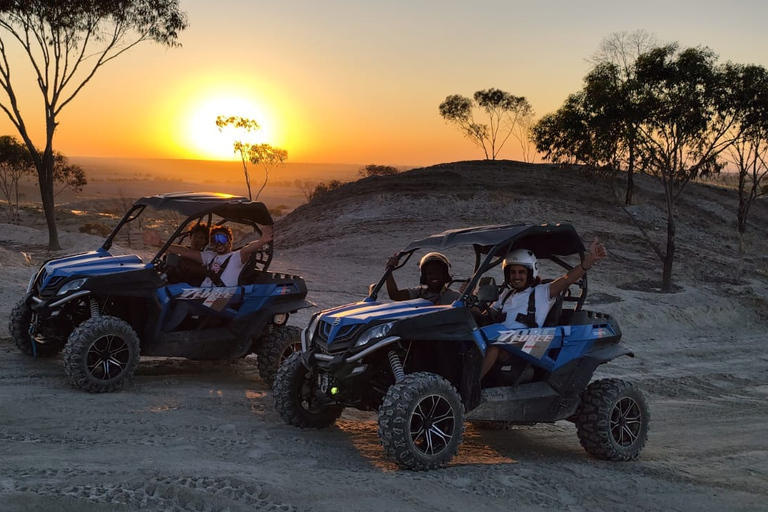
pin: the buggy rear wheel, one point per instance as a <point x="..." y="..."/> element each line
<point x="421" y="421"/>
<point x="612" y="421"/>
<point x="19" y="325"/>
<point x="296" y="399"/>
<point x="276" y="347"/>
<point x="101" y="354"/>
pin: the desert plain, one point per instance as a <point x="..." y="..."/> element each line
<point x="204" y="435"/>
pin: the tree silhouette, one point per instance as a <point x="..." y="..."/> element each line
<point x="749" y="153"/>
<point x="621" y="50"/>
<point x="15" y="163"/>
<point x="504" y="112"/>
<point x="67" y="42"/>
<point x="265" y="155"/>
<point x="685" y="112"/>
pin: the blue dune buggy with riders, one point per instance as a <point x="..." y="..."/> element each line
<point x="105" y="310"/>
<point x="419" y="363"/>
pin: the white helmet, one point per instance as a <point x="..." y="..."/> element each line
<point x="429" y="258"/>
<point x="522" y="257"/>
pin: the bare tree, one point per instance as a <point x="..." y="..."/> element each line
<point x="523" y="133"/>
<point x="623" y="48"/>
<point x="67" y="42"/>
<point x="502" y="109"/>
<point x="269" y="157"/>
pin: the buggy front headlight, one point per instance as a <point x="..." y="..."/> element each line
<point x="31" y="283"/>
<point x="73" y="285"/>
<point x="309" y="333"/>
<point x="377" y="331"/>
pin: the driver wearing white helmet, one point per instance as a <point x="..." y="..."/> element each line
<point x="528" y="302"/>
<point x="435" y="271"/>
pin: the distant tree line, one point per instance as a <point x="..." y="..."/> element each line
<point x="675" y="114"/>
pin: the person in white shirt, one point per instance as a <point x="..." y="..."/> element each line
<point x="521" y="274"/>
<point x="223" y="265"/>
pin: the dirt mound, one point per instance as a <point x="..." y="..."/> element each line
<point x="428" y="200"/>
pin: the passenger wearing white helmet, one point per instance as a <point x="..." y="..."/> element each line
<point x="528" y="301"/>
<point x="435" y="277"/>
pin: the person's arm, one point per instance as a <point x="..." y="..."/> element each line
<point x="267" y="234"/>
<point x="596" y="253"/>
<point x="392" y="290"/>
<point x="153" y="238"/>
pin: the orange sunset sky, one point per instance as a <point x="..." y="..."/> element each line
<point x="360" y="81"/>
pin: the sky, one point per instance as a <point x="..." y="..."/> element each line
<point x="360" y="81"/>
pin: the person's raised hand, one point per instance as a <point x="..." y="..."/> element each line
<point x="392" y="261"/>
<point x="596" y="253"/>
<point x="267" y="234"/>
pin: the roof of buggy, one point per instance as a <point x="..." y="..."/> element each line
<point x="542" y="239"/>
<point x="192" y="204"/>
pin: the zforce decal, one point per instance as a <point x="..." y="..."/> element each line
<point x="214" y="298"/>
<point x="531" y="341"/>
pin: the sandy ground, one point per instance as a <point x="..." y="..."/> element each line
<point x="190" y="435"/>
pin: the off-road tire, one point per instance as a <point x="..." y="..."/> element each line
<point x="18" y="326"/>
<point x="407" y="404"/>
<point x="101" y="354"/>
<point x="274" y="348"/>
<point x="612" y="421"/>
<point x="294" y="396"/>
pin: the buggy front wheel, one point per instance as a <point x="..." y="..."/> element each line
<point x="296" y="397"/>
<point x="19" y="326"/>
<point x="101" y="354"/>
<point x="612" y="421"/>
<point x="421" y="422"/>
<point x="274" y="348"/>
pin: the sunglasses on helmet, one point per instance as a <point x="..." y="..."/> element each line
<point x="220" y="238"/>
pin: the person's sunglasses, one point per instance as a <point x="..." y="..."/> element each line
<point x="220" y="238"/>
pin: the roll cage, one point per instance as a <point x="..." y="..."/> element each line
<point x="491" y="245"/>
<point x="198" y="207"/>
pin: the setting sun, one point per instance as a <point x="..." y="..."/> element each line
<point x="198" y="134"/>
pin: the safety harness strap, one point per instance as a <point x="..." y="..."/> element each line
<point x="215" y="277"/>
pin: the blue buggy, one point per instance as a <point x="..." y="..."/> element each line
<point x="105" y="310"/>
<point x="418" y="364"/>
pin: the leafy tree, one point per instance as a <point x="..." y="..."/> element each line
<point x="621" y="50"/>
<point x="67" y="42"/>
<point x="378" y="170"/>
<point x="67" y="176"/>
<point x="504" y="111"/>
<point x="684" y="114"/>
<point x="687" y="112"/>
<point x="265" y="155"/>
<point x="583" y="130"/>
<point x="15" y="163"/>
<point x="749" y="153"/>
